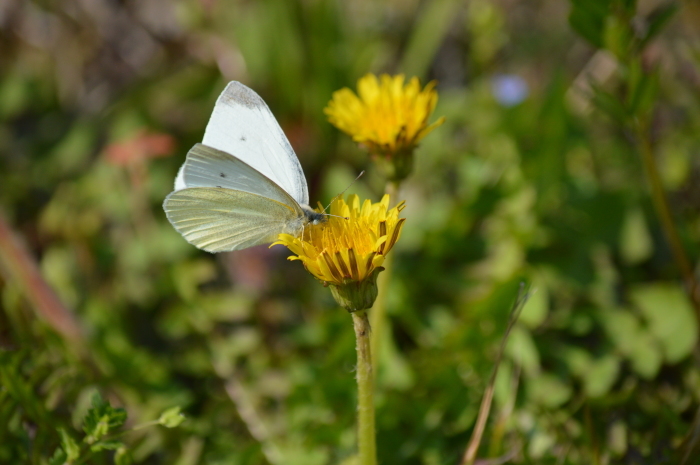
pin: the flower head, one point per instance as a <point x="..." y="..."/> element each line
<point x="347" y="251"/>
<point x="388" y="117"/>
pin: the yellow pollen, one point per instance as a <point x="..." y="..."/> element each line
<point x="350" y="245"/>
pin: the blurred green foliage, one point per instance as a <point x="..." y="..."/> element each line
<point x="534" y="177"/>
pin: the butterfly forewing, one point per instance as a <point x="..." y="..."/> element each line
<point x="219" y="219"/>
<point x="243" y="126"/>
<point x="208" y="167"/>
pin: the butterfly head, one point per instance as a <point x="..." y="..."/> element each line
<point x="312" y="216"/>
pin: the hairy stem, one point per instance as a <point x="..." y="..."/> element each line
<point x="366" y="440"/>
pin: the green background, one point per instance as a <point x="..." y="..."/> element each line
<point x="549" y="190"/>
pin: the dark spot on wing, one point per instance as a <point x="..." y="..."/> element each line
<point x="238" y="93"/>
<point x="222" y="175"/>
<point x="243" y="139"/>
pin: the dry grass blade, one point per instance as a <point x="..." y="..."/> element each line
<point x="257" y="428"/>
<point x="689" y="450"/>
<point x="485" y="408"/>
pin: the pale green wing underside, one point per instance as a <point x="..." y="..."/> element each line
<point x="220" y="220"/>
<point x="209" y="167"/>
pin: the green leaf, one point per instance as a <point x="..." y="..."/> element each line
<point x="171" y="417"/>
<point x="123" y="456"/>
<point x="352" y="460"/>
<point x="617" y="36"/>
<point x="536" y="308"/>
<point x="609" y="104"/>
<point x="636" y="244"/>
<point x="69" y="445"/>
<point x="647" y="356"/>
<point x="59" y="457"/>
<point x="587" y="17"/>
<point x="101" y="418"/>
<point x="644" y="99"/>
<point x="17" y="387"/>
<point x="629" y="6"/>
<point x="670" y="318"/>
<point x="578" y="360"/>
<point x="117" y="417"/>
<point x="643" y="88"/>
<point x="601" y="375"/>
<point x="617" y="438"/>
<point x="98" y="430"/>
<point x="297" y="453"/>
<point x="111" y="444"/>
<point x="548" y="390"/>
<point x="633" y="341"/>
<point x="540" y="443"/>
<point x="15" y="93"/>
<point x="522" y="350"/>
<point x="623" y="329"/>
<point x="657" y="20"/>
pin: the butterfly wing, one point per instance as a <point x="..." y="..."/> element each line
<point x="243" y="126"/>
<point x="219" y="220"/>
<point x="209" y="167"/>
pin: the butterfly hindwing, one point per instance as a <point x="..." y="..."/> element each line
<point x="219" y="219"/>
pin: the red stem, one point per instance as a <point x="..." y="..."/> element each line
<point x="17" y="265"/>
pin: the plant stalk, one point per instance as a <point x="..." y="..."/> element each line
<point x="378" y="315"/>
<point x="18" y="265"/>
<point x="663" y="211"/>
<point x="366" y="440"/>
<point x="469" y="457"/>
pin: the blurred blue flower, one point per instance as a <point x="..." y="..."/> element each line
<point x="509" y="89"/>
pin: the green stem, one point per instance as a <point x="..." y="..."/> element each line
<point x="663" y="211"/>
<point x="392" y="188"/>
<point x="378" y="314"/>
<point x="366" y="440"/>
<point x="138" y="427"/>
<point x="86" y="447"/>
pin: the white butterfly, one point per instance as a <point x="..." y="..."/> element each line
<point x="243" y="185"/>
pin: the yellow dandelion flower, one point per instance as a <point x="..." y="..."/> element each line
<point x="347" y="251"/>
<point x="388" y="117"/>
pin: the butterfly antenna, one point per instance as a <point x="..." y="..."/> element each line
<point x="349" y="185"/>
